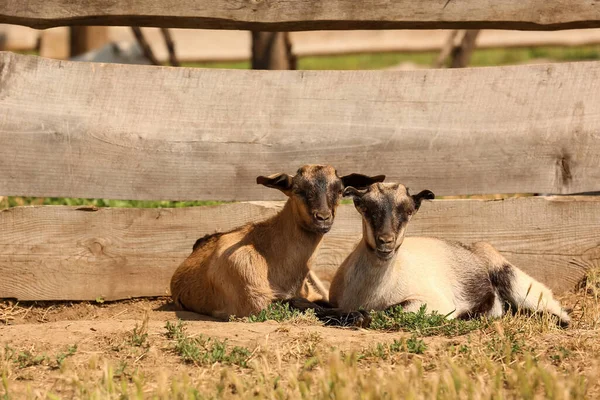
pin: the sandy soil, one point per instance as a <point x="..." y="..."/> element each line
<point x="103" y="336"/>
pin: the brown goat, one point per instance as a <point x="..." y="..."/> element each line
<point x="242" y="271"/>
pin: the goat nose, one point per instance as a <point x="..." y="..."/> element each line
<point x="323" y="216"/>
<point x="385" y="239"/>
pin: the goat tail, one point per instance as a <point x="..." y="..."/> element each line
<point x="520" y="290"/>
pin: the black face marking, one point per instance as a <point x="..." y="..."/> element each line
<point x="334" y="192"/>
<point x="384" y="213"/>
<point x="319" y="190"/>
<point x="379" y="215"/>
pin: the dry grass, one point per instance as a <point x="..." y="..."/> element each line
<point x="514" y="357"/>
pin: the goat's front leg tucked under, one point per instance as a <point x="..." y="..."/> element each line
<point x="330" y="316"/>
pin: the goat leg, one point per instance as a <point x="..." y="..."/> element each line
<point x="323" y="303"/>
<point x="407" y="306"/>
<point x="331" y="316"/>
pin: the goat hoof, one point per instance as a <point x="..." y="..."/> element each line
<point x="360" y="319"/>
<point x="366" y="319"/>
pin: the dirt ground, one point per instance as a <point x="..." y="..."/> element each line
<point x="122" y="350"/>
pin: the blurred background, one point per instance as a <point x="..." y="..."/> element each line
<point x="398" y="49"/>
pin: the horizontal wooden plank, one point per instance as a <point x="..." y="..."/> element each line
<point x="90" y="130"/>
<point x="68" y="253"/>
<point x="307" y="15"/>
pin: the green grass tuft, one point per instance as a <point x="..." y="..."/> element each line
<point x="412" y="345"/>
<point x="422" y="323"/>
<point x="275" y="312"/>
<point x="27" y="359"/>
<point x="203" y="350"/>
<point x="61" y="357"/>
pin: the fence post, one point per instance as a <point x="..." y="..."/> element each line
<point x="272" y="50"/>
<point x="86" y="38"/>
<point x="461" y="55"/>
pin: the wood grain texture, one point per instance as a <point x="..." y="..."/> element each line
<point x="89" y="130"/>
<point x="69" y="253"/>
<point x="275" y="15"/>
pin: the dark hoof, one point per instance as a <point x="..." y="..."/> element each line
<point x="366" y="319"/>
<point x="360" y="319"/>
<point x="354" y="318"/>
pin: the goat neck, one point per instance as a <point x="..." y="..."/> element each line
<point x="287" y="241"/>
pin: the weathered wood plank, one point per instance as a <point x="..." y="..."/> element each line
<point x="89" y="130"/>
<point x="307" y="15"/>
<point x="68" y="253"/>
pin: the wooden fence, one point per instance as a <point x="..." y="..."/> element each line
<point x="134" y="132"/>
<point x="283" y="15"/>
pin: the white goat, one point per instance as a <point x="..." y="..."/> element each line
<point x="451" y="278"/>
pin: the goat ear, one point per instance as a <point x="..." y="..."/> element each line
<point x="360" y="181"/>
<point x="281" y="181"/>
<point x="354" y="192"/>
<point x="423" y="195"/>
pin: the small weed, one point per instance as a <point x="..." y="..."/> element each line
<point x="505" y="347"/>
<point x="412" y="345"/>
<point x="139" y="335"/>
<point x="100" y="300"/>
<point x="203" y="350"/>
<point x="415" y="345"/>
<point x="9" y="353"/>
<point x="175" y="331"/>
<point x="27" y="359"/>
<point x="559" y="355"/>
<point x="422" y="323"/>
<point x="311" y="363"/>
<point x="121" y="369"/>
<point x="61" y="357"/>
<point x="464" y="349"/>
